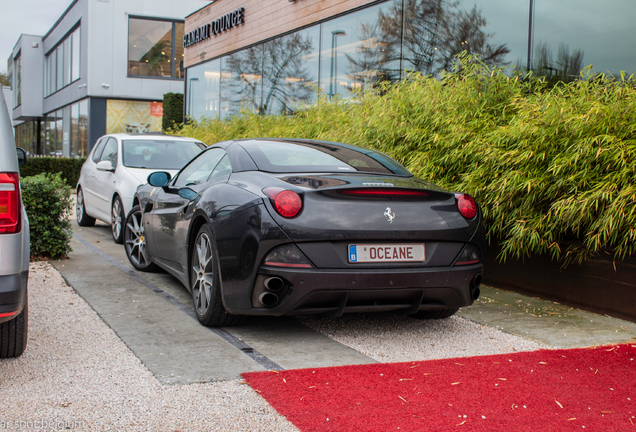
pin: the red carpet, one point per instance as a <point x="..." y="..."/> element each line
<point x="575" y="389"/>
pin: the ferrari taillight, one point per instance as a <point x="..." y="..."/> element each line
<point x="286" y="202"/>
<point x="466" y="205"/>
<point x="9" y="203"/>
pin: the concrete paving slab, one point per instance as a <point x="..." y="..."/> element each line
<point x="293" y="344"/>
<point x="153" y="314"/>
<point x="547" y="322"/>
<point x="175" y="347"/>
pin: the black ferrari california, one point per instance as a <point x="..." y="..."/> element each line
<point x="299" y="227"/>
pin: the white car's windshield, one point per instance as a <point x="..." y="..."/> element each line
<point x="159" y="154"/>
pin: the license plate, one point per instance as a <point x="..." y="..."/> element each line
<point x="386" y="253"/>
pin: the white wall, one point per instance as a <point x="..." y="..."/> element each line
<point x="108" y="46"/>
<point x="8" y="97"/>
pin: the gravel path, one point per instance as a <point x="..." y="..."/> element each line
<point x="77" y="374"/>
<point x="396" y="338"/>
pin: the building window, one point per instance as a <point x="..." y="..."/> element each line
<point x="10" y="72"/>
<point x="63" y="63"/>
<point x="601" y="36"/>
<point x="18" y="80"/>
<point x="360" y="50"/>
<point x="152" y="51"/>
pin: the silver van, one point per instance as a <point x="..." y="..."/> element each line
<point x="14" y="244"/>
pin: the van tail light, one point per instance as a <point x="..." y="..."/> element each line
<point x="287" y="203"/>
<point x="10" y="219"/>
<point x="466" y="205"/>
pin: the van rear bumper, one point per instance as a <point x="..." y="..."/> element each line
<point x="13" y="292"/>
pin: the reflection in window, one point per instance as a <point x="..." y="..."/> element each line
<point x="18" y="80"/>
<point x="83" y="128"/>
<point x="62" y="65"/>
<point x="357" y="51"/>
<point x="110" y="152"/>
<point x="75" y="59"/>
<point x="67" y="62"/>
<point x="49" y="142"/>
<point x="204" y="85"/>
<point x="290" y="70"/>
<point x="241" y="81"/>
<point x="599" y="34"/>
<point x="198" y="171"/>
<point x="436" y="31"/>
<point x="59" y="133"/>
<point x="361" y="49"/>
<point x="150" y="45"/>
<point x="178" y="50"/>
<point x="75" y="144"/>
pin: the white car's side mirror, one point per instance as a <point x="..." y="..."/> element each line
<point x="105" y="166"/>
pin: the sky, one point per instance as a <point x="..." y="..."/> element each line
<point x="35" y="17"/>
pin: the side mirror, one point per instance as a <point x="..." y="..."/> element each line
<point x="22" y="156"/>
<point x="105" y="166"/>
<point x="159" y="179"/>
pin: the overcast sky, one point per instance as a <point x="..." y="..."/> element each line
<point x="35" y="17"/>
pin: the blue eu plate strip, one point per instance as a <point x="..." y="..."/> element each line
<point x="353" y="253"/>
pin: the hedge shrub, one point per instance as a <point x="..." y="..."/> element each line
<point x="69" y="168"/>
<point x="553" y="168"/>
<point x="172" y="111"/>
<point x="48" y="203"/>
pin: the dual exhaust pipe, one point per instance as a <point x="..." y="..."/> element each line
<point x="273" y="285"/>
<point x="474" y="287"/>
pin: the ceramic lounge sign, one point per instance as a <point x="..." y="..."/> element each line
<point x="215" y="27"/>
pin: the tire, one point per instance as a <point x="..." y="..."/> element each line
<point x="435" y="314"/>
<point x="206" y="284"/>
<point x="13" y="334"/>
<point x="80" y="211"/>
<point x="117" y="220"/>
<point x="135" y="242"/>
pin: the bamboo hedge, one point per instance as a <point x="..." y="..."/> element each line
<point x="554" y="168"/>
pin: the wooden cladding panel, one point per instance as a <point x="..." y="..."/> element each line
<point x="263" y="20"/>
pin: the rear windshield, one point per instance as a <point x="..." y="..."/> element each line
<point x="159" y="154"/>
<point x="306" y="157"/>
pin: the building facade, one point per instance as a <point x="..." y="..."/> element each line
<point x="272" y="57"/>
<point x="102" y="68"/>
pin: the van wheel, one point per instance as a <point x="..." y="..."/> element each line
<point x="13" y="334"/>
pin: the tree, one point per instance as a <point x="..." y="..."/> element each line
<point x="565" y="68"/>
<point x="435" y="31"/>
<point x="271" y="78"/>
<point x="4" y="80"/>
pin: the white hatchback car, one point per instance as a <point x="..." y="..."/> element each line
<point x="118" y="164"/>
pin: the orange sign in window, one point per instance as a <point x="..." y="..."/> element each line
<point x="156" y="109"/>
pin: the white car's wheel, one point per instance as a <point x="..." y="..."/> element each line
<point x="80" y="210"/>
<point x="117" y="220"/>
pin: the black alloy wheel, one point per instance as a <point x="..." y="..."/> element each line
<point x="80" y="211"/>
<point x="206" y="284"/>
<point x="135" y="242"/>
